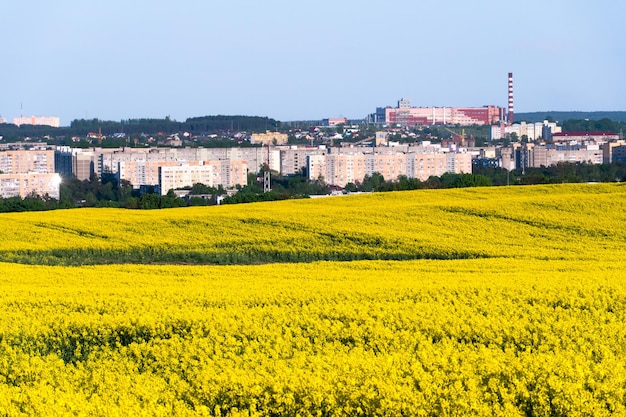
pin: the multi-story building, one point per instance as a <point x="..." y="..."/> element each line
<point x="38" y="120"/>
<point x="27" y="184"/>
<point x="424" y="165"/>
<point x="342" y="166"/>
<point x="528" y="155"/>
<point x="83" y="165"/>
<point x="464" y="116"/>
<point x="274" y="138"/>
<point x="294" y="158"/>
<point x="24" y="161"/>
<point x="533" y="131"/>
<point x="580" y="137"/>
<point x="377" y="118"/>
<point x="614" y="151"/>
<point x="28" y="172"/>
<point x="75" y="162"/>
<point x="389" y="164"/>
<point x="143" y="172"/>
<point x="140" y="165"/>
<point x="210" y="173"/>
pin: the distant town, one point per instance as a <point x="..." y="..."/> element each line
<point x="228" y="153"/>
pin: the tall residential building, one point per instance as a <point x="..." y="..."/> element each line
<point x="614" y="151"/>
<point x="26" y="184"/>
<point x="25" y="161"/>
<point x="341" y="167"/>
<point x="27" y="172"/>
<point x="530" y="155"/>
<point x="294" y="158"/>
<point x="38" y="120"/>
<point x="532" y="131"/>
<point x="211" y="173"/>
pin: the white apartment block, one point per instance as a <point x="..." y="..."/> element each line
<point x="27" y="172"/>
<point x="38" y="120"/>
<point x="210" y="173"/>
<point x="108" y="159"/>
<point x="533" y="131"/>
<point x="25" y="184"/>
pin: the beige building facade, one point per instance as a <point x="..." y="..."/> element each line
<point x="24" y="161"/>
<point x="340" y="169"/>
<point x="228" y="174"/>
<point x="26" y="184"/>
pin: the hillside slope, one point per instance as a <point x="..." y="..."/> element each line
<point x="542" y="222"/>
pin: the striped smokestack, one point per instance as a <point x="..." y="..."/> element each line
<point x="510" y="113"/>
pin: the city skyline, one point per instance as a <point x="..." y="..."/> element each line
<point x="310" y="60"/>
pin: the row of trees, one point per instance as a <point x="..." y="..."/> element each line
<point x="563" y="172"/>
<point x="195" y="126"/>
<point x="108" y="192"/>
<point x="377" y="183"/>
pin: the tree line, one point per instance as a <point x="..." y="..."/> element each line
<point x="108" y="192"/>
<point x="194" y="125"/>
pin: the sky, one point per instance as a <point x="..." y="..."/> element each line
<point x="305" y="60"/>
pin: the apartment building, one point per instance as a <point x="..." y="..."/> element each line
<point x="274" y="138"/>
<point x="28" y="172"/>
<point x="528" y="155"/>
<point x="38" y="120"/>
<point x="23" y="161"/>
<point x="211" y="173"/>
<point x="614" y="151"/>
<point x="143" y="172"/>
<point x="532" y="131"/>
<point x="580" y="137"/>
<point x="24" y="185"/>
<point x="294" y="158"/>
<point x="352" y="164"/>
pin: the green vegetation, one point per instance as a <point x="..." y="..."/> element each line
<point x="137" y="127"/>
<point x="561" y="116"/>
<point x="563" y="172"/>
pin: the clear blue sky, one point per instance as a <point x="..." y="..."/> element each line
<point x="120" y="59"/>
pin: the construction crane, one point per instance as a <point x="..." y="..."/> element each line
<point x="456" y="135"/>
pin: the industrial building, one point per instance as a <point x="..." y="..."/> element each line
<point x="403" y="115"/>
<point x="462" y="116"/>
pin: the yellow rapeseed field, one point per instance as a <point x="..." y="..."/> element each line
<point x="479" y="302"/>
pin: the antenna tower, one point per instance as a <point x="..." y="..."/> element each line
<point x="510" y="113"/>
<point x="267" y="187"/>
